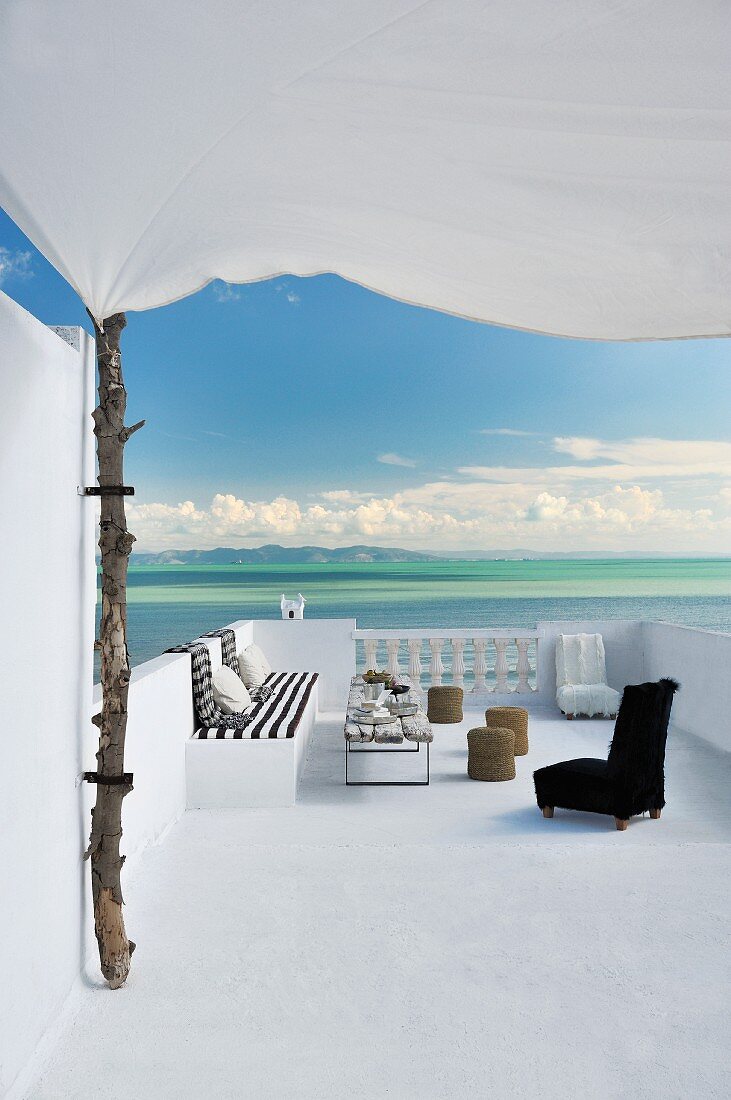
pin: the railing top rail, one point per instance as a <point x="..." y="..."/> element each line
<point x="475" y="632"/>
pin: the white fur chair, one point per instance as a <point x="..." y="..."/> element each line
<point x="581" y="677"/>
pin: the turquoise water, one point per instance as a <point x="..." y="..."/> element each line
<point x="173" y="603"/>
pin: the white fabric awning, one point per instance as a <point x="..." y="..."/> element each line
<point x="556" y="165"/>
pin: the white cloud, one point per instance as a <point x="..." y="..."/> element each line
<point x="504" y="431"/>
<point x="643" y="498"/>
<point x="225" y="292"/>
<point x="619" y="518"/>
<point x="629" y="460"/>
<point x="391" y="459"/>
<point x="343" y="496"/>
<point x="292" y="297"/>
<point x="14" y="265"/>
<point x="649" y="452"/>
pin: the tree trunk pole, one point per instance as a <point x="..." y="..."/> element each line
<point x="115" y="543"/>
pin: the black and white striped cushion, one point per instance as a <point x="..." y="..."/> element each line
<point x="277" y="716"/>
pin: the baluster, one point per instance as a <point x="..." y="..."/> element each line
<point x="436" y="668"/>
<point x="458" y="662"/>
<point x="501" y="665"/>
<point x="392" y="648"/>
<point x="480" y="644"/>
<point x="415" y="662"/>
<point x="523" y="668"/>
<point x="371" y="653"/>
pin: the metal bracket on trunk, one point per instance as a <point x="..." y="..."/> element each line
<point x="125" y="779"/>
<point x="106" y="491"/>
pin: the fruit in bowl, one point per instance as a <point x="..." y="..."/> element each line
<point x="373" y="677"/>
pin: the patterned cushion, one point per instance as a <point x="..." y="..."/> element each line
<point x="208" y="714"/>
<point x="277" y="716"/>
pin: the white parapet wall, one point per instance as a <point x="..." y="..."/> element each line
<point x="636" y="651"/>
<point x="160" y="719"/>
<point x="47" y="595"/>
<point x="700" y="660"/>
<point x="325" y="646"/>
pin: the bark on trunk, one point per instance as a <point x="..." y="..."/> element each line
<point x="115" y="543"/>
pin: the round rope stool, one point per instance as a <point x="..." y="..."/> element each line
<point x="511" y="718"/>
<point x="444" y="705"/>
<point x="490" y="754"/>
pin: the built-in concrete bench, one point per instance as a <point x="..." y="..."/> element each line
<point x="260" y="762"/>
<point x="260" y="765"/>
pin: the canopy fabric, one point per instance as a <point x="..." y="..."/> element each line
<point x="556" y="165"/>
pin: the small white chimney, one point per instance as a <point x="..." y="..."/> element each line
<point x="293" y="609"/>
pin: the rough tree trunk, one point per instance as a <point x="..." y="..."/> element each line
<point x="115" y="543"/>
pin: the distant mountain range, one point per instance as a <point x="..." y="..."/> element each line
<point x="323" y="555"/>
<point x="282" y="555"/>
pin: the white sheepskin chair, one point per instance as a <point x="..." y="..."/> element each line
<point x="581" y="677"/>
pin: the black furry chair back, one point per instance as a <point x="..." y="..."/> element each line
<point x="636" y="763"/>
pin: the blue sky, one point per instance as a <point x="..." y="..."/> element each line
<point x="311" y="410"/>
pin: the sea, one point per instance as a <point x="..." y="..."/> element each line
<point x="170" y="604"/>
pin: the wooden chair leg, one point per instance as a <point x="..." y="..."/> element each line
<point x="548" y="811"/>
<point x="621" y="824"/>
<point x="569" y="717"/>
<point x="654" y="814"/>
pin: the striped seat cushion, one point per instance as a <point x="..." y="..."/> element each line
<point x="278" y="716"/>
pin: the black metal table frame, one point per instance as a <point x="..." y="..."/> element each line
<point x="384" y="782"/>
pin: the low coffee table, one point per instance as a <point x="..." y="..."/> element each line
<point x="387" y="731"/>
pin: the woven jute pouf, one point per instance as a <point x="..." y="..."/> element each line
<point x="511" y="718"/>
<point x="490" y="754"/>
<point x="444" y="705"/>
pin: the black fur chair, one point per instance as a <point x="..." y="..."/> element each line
<point x="632" y="779"/>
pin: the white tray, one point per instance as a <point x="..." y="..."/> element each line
<point x="368" y="718"/>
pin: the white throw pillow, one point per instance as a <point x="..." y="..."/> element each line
<point x="251" y="670"/>
<point x="229" y="693"/>
<point x="254" y="651"/>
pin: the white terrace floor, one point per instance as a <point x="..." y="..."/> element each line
<point x="428" y="942"/>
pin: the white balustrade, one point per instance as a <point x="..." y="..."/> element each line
<point x="392" y="648"/>
<point x="479" y="646"/>
<point x="501" y="665"/>
<point x="523" y="667"/>
<point x="436" y="668"/>
<point x="415" y="661"/>
<point x="458" y="669"/>
<point x="371" y="653"/>
<point x="465" y="652"/>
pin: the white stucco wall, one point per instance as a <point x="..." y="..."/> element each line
<point x="47" y="593"/>
<point x="312" y="645"/>
<point x="700" y="660"/>
<point x="47" y="596"/>
<point x="160" y="719"/>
